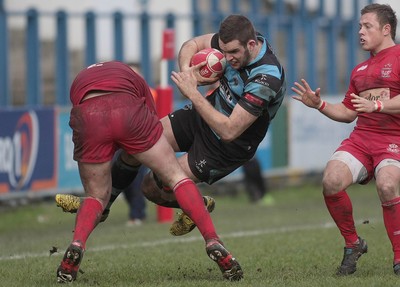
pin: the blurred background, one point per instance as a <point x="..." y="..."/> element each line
<point x="44" y="43"/>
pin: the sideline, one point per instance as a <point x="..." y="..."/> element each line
<point x="250" y="233"/>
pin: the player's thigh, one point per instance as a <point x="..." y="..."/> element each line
<point x="161" y="159"/>
<point x="184" y="163"/>
<point x="168" y="133"/>
<point x="96" y="180"/>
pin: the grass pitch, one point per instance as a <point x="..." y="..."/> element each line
<point x="292" y="243"/>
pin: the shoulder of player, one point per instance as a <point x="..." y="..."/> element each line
<point x="390" y="57"/>
<point x="396" y="52"/>
<point x="266" y="64"/>
<point x="265" y="72"/>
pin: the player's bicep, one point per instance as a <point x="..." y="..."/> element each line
<point x="203" y="41"/>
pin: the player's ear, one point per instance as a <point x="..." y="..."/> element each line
<point x="386" y="29"/>
<point x="251" y="44"/>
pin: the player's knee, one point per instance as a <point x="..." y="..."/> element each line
<point x="332" y="183"/>
<point x="387" y="188"/>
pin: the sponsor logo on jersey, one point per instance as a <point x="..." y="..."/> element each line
<point x="225" y="92"/>
<point x="386" y="71"/>
<point x="362" y="68"/>
<point x="200" y="165"/>
<point x="394" y="148"/>
<point x="188" y="107"/>
<point x="95" y="65"/>
<point x="263" y="80"/>
<point x="254" y="100"/>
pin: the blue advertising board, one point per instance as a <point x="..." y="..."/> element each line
<point x="68" y="168"/>
<point x="27" y="150"/>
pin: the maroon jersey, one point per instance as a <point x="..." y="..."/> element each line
<point x="123" y="118"/>
<point x="378" y="78"/>
<point x="107" y="77"/>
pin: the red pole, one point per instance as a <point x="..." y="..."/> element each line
<point x="164" y="103"/>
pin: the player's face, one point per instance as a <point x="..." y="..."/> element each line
<point x="372" y="36"/>
<point x="236" y="54"/>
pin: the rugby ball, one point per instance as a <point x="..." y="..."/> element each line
<point x="215" y="65"/>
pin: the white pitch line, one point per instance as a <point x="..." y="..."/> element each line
<point x="249" y="233"/>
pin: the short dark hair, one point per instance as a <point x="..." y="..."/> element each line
<point x="237" y="27"/>
<point x="385" y="15"/>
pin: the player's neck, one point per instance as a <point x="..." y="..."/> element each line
<point x="382" y="47"/>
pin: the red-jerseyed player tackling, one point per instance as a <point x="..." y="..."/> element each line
<point x="113" y="109"/>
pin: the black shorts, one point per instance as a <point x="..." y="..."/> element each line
<point x="210" y="159"/>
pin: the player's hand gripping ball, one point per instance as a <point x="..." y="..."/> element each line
<point x="215" y="65"/>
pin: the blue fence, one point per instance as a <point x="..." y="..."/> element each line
<point x="297" y="33"/>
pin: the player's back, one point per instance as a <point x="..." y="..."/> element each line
<point x="107" y="77"/>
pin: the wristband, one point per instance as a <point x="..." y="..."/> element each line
<point x="321" y="106"/>
<point x="378" y="106"/>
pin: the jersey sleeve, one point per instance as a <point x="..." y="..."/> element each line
<point x="214" y="42"/>
<point x="260" y="90"/>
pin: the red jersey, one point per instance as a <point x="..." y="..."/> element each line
<point x="378" y="78"/>
<point x="107" y="77"/>
<point x="124" y="118"/>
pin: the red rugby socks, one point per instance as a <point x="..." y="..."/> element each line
<point x="341" y="210"/>
<point x="191" y="203"/>
<point x="87" y="218"/>
<point x="391" y="219"/>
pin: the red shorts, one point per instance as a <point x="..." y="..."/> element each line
<point x="104" y="124"/>
<point x="371" y="148"/>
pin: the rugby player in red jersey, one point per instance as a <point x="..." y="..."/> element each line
<point x="373" y="148"/>
<point x="114" y="109"/>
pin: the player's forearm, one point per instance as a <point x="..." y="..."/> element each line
<point x="188" y="49"/>
<point x="218" y="122"/>
<point x="338" y="112"/>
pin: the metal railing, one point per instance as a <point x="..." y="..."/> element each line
<point x="306" y="40"/>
